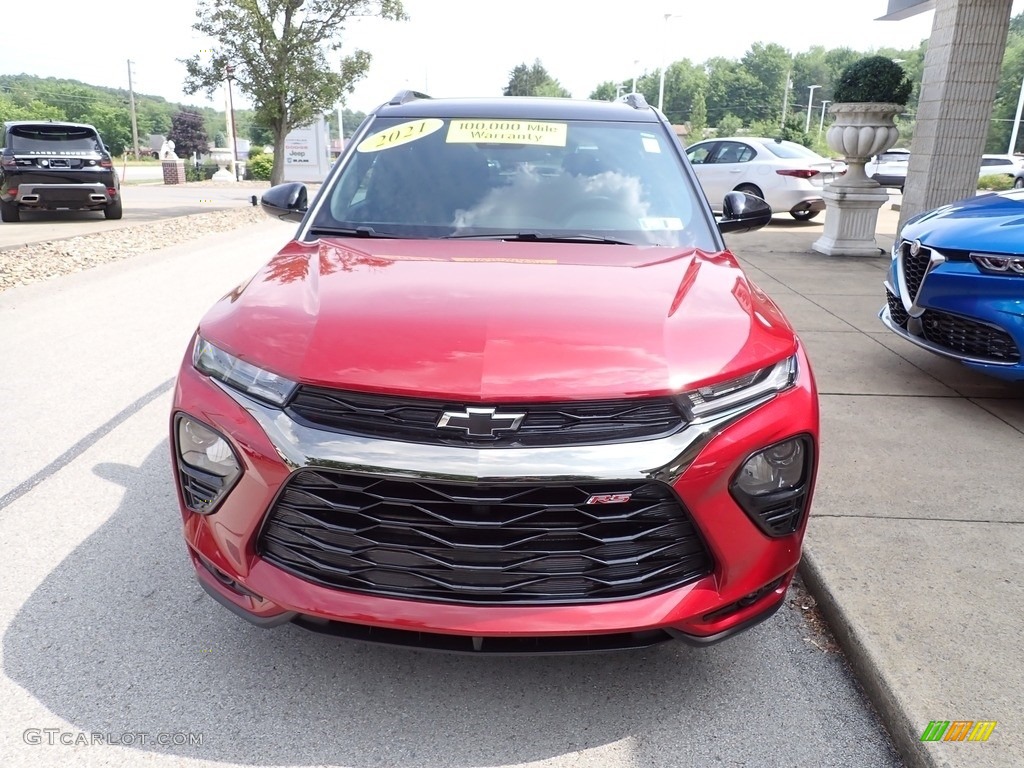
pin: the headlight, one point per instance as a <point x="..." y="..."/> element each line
<point x="240" y="375"/>
<point x="726" y="395"/>
<point x="207" y="465"/>
<point x="995" y="264"/>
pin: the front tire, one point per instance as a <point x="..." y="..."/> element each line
<point x="804" y="215"/>
<point x="9" y="212"/>
<point x="113" y="210"/>
<point x="1018" y="183"/>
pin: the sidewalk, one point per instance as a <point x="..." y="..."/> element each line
<point x="915" y="546"/>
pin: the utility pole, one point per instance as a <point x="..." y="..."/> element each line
<point x="135" y="121"/>
<point x="785" y="99"/>
<point x="229" y="75"/>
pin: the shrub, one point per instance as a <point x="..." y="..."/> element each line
<point x="873" y="78"/>
<point x="203" y="173"/>
<point x="259" y="166"/>
<point x="995" y="182"/>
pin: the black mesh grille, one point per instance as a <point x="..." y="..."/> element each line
<point x="969" y="337"/>
<point x="896" y="311"/>
<point x="915" y="268"/>
<point x="545" y="424"/>
<point x="520" y="544"/>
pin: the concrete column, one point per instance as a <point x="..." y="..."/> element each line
<point x="961" y="73"/>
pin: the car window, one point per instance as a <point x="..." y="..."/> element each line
<point x="894" y="157"/>
<point x="790" y="150"/>
<point x="436" y="177"/>
<point x="46" y="139"/>
<point x="699" y="154"/>
<point x="733" y="152"/>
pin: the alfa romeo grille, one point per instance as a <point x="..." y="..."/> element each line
<point x="545" y="424"/>
<point x="495" y="544"/>
<point x="969" y="337"/>
<point x="896" y="311"/>
<point x="915" y="268"/>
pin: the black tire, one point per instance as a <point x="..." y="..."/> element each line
<point x="1018" y="183"/>
<point x="751" y="189"/>
<point x="112" y="210"/>
<point x="804" y="215"/>
<point x="9" y="212"/>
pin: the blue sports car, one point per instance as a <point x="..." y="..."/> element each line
<point x="956" y="284"/>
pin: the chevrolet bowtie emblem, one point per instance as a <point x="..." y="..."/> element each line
<point x="481" y="422"/>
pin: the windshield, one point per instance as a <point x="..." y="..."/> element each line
<point x="55" y="139"/>
<point x="431" y="178"/>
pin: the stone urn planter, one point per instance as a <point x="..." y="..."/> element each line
<point x="860" y="131"/>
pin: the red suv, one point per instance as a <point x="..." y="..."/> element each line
<point x="506" y="390"/>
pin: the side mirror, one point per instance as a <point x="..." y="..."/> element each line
<point x="287" y="202"/>
<point x="743" y="212"/>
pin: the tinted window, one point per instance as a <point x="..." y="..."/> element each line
<point x="790" y="150"/>
<point x="733" y="152"/>
<point x="443" y="177"/>
<point x="52" y="139"/>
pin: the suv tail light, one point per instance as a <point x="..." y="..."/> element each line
<point x="106" y="163"/>
<point x="800" y="173"/>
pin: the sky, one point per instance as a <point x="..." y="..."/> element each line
<point x="461" y="47"/>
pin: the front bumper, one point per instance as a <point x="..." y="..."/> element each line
<point x="747" y="582"/>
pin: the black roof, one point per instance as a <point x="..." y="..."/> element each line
<point x="515" y="107"/>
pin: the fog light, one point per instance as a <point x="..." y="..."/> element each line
<point x="773" y="485"/>
<point x="207" y="465"/>
<point x="780" y="467"/>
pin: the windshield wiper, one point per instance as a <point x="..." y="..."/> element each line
<point x="538" y="237"/>
<point x="349" y="231"/>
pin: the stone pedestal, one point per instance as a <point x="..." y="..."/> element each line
<point x="850" y="220"/>
<point x="174" y="171"/>
<point x="223" y="174"/>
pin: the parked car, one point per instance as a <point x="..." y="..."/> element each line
<point x="505" y="390"/>
<point x="956" y="283"/>
<point x="889" y="168"/>
<point x="1009" y="165"/>
<point x="786" y="174"/>
<point x="54" y="166"/>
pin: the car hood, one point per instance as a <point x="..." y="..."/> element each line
<point x="992" y="223"/>
<point x="489" y="320"/>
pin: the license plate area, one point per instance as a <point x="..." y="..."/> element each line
<point x="60" y="162"/>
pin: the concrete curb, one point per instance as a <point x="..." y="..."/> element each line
<point x="902" y="730"/>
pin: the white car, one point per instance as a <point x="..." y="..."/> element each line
<point x="789" y="176"/>
<point x="1000" y="164"/>
<point x="889" y="168"/>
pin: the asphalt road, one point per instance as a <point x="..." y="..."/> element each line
<point x="143" y="203"/>
<point x="104" y="630"/>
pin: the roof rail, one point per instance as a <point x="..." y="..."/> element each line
<point x="404" y="97"/>
<point x="635" y="100"/>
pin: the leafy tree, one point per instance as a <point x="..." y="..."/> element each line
<point x="533" y="80"/>
<point x="278" y="50"/>
<point x="698" y="116"/>
<point x="188" y="134"/>
<point x="729" y="125"/>
<point x="606" y="91"/>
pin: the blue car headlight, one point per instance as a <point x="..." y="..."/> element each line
<point x="996" y="264"/>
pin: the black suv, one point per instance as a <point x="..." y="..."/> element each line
<point x="51" y="166"/>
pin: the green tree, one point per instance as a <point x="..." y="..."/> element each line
<point x="533" y="80"/>
<point x="606" y="91"/>
<point x="278" y="50"/>
<point x="698" y="117"/>
<point x="729" y="125"/>
<point x="188" y="134"/>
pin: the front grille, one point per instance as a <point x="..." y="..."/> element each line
<point x="545" y="424"/>
<point x="896" y="311"/>
<point x="915" y="268"/>
<point x="517" y="543"/>
<point x="969" y="337"/>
